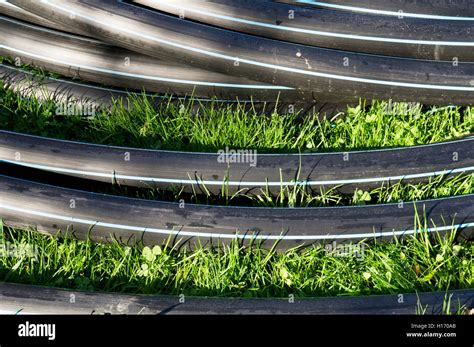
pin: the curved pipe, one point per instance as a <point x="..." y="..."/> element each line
<point x="103" y="218"/>
<point x="327" y="74"/>
<point x="95" y="61"/>
<point x="81" y="96"/>
<point x="31" y="299"/>
<point x="147" y="168"/>
<point x="30" y="85"/>
<point x="454" y="10"/>
<point x="415" y="38"/>
<point x="10" y="10"/>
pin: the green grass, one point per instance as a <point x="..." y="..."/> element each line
<point x="419" y="263"/>
<point x="38" y="71"/>
<point x="298" y="196"/>
<point x="446" y="309"/>
<point x="175" y="126"/>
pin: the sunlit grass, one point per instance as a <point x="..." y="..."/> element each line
<point x="179" y="126"/>
<point x="419" y="263"/>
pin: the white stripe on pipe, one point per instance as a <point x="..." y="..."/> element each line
<point x="316" y="32"/>
<point x="377" y="150"/>
<point x="147" y="77"/>
<point x="238" y="183"/>
<point x="126" y="93"/>
<point x="257" y="63"/>
<point x="92" y="223"/>
<point x="384" y="12"/>
<point x="37" y="27"/>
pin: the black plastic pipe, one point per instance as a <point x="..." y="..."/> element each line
<point x="324" y="74"/>
<point x="104" y="218"/>
<point x="237" y="170"/>
<point x="30" y="85"/>
<point x="76" y="96"/>
<point x="455" y="9"/>
<point x="31" y="299"/>
<point x="344" y="30"/>
<point x="92" y="60"/>
<point x="10" y="10"/>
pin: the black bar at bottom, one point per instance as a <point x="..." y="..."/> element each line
<point x="324" y="330"/>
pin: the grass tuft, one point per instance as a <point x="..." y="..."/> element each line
<point x="418" y="263"/>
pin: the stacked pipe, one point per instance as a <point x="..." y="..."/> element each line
<point x="29" y="299"/>
<point x="294" y="51"/>
<point x="290" y="48"/>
